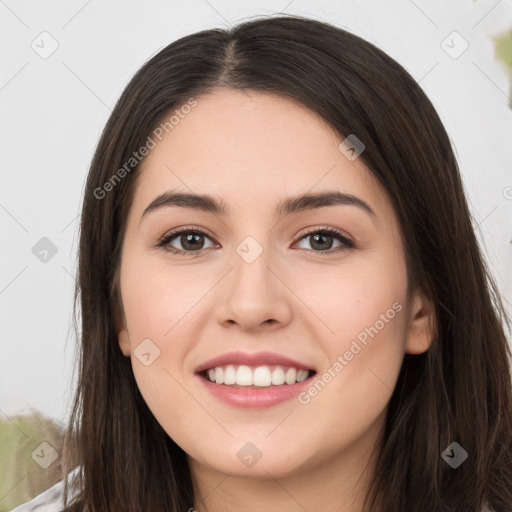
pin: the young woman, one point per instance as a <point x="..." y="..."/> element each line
<point x="283" y="302"/>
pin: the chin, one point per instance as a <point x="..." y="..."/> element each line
<point x="246" y="460"/>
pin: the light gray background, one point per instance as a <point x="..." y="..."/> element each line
<point x="53" y="111"/>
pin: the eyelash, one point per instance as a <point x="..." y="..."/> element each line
<point x="348" y="244"/>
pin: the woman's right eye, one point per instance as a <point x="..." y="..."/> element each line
<point x="189" y="240"/>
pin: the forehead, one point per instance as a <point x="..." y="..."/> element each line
<point x="251" y="148"/>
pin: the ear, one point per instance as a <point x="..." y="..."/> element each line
<point x="119" y="317"/>
<point x="123" y="337"/>
<point x="421" y="324"/>
<point x="124" y="342"/>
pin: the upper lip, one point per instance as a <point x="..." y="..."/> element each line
<point x="252" y="359"/>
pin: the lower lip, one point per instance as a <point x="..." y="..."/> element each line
<point x="254" y="397"/>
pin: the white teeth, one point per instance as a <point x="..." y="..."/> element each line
<point x="230" y="375"/>
<point x="302" y="375"/>
<point x="261" y="376"/>
<point x="243" y="376"/>
<point x="278" y="376"/>
<point x="291" y="376"/>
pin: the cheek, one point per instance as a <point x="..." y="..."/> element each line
<point x="345" y="299"/>
<point x="160" y="300"/>
<point x="361" y="327"/>
<point x="351" y="392"/>
<point x="162" y="304"/>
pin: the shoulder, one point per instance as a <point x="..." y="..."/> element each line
<point x="51" y="500"/>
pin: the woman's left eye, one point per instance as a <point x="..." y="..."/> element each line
<point x="326" y="236"/>
<point x="192" y="241"/>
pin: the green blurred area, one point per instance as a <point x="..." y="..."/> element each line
<point x="504" y="53"/>
<point x="504" y="49"/>
<point x="22" y="458"/>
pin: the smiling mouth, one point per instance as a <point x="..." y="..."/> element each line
<point x="263" y="376"/>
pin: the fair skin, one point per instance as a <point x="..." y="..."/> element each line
<point x="251" y="150"/>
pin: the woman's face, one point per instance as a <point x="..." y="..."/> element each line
<point x="265" y="289"/>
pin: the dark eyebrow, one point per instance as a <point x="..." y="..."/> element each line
<point x="296" y="204"/>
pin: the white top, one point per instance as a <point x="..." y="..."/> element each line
<point x="51" y="500"/>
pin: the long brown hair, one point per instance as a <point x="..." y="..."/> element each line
<point x="458" y="391"/>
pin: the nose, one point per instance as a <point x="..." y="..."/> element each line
<point x="254" y="294"/>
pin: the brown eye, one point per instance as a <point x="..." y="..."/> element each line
<point x="322" y="240"/>
<point x="189" y="241"/>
